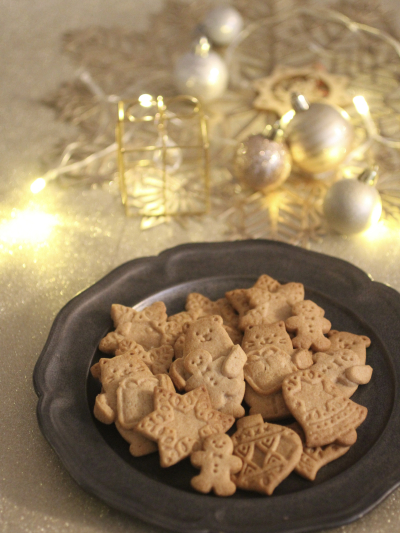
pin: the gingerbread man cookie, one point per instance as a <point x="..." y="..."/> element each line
<point x="217" y="466"/>
<point x="310" y="325"/>
<point x="223" y="377"/>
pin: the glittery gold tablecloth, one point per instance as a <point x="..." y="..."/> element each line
<point x="56" y="244"/>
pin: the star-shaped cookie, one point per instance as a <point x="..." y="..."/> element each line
<point x="179" y="423"/>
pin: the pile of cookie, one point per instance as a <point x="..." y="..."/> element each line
<point x="177" y="384"/>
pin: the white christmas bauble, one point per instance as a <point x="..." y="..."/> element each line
<point x="205" y="77"/>
<point x="319" y="137"/>
<point x="352" y="206"/>
<point x="261" y="163"/>
<point x="222" y="24"/>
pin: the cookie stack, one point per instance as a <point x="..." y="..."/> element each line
<point x="179" y="383"/>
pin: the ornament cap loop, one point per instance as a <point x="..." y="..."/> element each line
<point x="274" y="132"/>
<point x="299" y="102"/>
<point x="369" y="176"/>
<point x="202" y="46"/>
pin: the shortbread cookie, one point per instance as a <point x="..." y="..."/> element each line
<point x="144" y="327"/>
<point x="342" y="340"/>
<point x="325" y="415"/>
<point x="310" y="325"/>
<point x="271" y="407"/>
<point x="270" y="307"/>
<point x="313" y="459"/>
<point x="203" y="306"/>
<point x="266" y="368"/>
<point x="151" y="328"/>
<point x="223" y="377"/>
<point x="135" y="401"/>
<point x="207" y="334"/>
<point x="179" y="423"/>
<point x="343" y="368"/>
<point x="258" y="336"/>
<point x="112" y="371"/>
<point x="157" y="359"/>
<point x="269" y="453"/>
<point x="217" y="465"/>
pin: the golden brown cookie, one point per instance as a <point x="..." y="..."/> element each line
<point x="217" y="466"/>
<point x="343" y="368"/>
<point x="223" y="377"/>
<point x="313" y="459"/>
<point x="157" y="359"/>
<point x="203" y="306"/>
<point x="271" y="406"/>
<point x="266" y="368"/>
<point x="207" y="334"/>
<point x="112" y="371"/>
<point x="325" y="415"/>
<point x="256" y="337"/>
<point x="179" y="423"/>
<point x="269" y="453"/>
<point x="310" y="325"/>
<point x="135" y="401"/>
<point x="343" y="340"/>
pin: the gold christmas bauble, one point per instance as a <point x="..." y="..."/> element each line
<point x="262" y="163"/>
<point x="319" y="136"/>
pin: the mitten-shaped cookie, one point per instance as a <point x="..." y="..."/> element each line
<point x="310" y="325"/>
<point x="217" y="466"/>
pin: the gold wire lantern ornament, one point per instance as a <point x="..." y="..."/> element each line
<point x="163" y="156"/>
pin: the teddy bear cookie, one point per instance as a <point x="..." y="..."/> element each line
<point x="217" y="465"/>
<point x="343" y="340"/>
<point x="180" y="423"/>
<point x="309" y="325"/>
<point x="269" y="453"/>
<point x="111" y="372"/>
<point x="325" y="415"/>
<point x="223" y="377"/>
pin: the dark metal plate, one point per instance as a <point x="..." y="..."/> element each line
<point x="98" y="458"/>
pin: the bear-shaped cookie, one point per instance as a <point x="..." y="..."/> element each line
<point x="343" y="340"/>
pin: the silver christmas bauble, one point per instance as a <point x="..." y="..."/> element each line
<point x="201" y="73"/>
<point x="261" y="163"/>
<point x="352" y="206"/>
<point x="319" y="137"/>
<point x="222" y="24"/>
